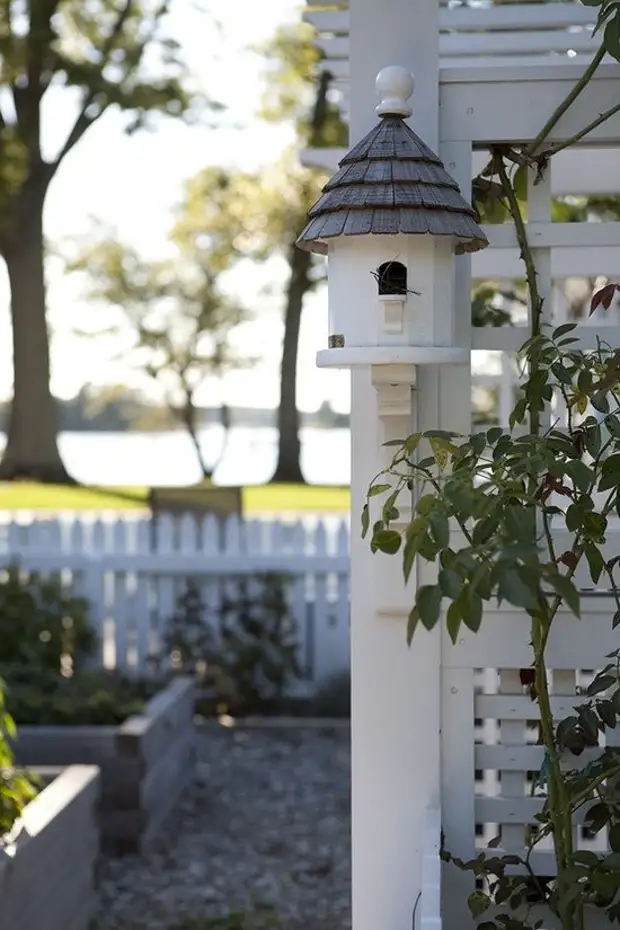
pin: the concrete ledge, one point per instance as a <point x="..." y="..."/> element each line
<point x="47" y="873"/>
<point x="145" y="763"/>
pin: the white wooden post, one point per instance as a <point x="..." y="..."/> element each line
<point x="395" y="691"/>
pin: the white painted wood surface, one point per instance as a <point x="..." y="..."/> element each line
<point x="484" y="76"/>
<point x="394" y="712"/>
<point x="526" y="33"/>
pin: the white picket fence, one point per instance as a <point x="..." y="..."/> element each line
<point x="132" y="577"/>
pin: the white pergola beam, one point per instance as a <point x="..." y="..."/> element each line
<point x="500" y="101"/>
<point x="571" y="262"/>
<point x="510" y="104"/>
<point x="521" y="17"/>
<point x="482" y="44"/>
<point x="578" y="171"/>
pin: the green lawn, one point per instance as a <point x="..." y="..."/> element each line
<point x="256" y="498"/>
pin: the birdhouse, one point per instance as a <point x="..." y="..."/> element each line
<point x="390" y="222"/>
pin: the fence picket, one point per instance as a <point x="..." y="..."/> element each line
<point x="132" y="578"/>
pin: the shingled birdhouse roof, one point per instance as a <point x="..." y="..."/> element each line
<point x="392" y="182"/>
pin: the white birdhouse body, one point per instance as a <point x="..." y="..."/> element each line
<point x="390" y="220"/>
<point x="390" y="291"/>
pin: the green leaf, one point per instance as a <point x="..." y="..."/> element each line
<point x="596" y="562"/>
<point x="427" y="548"/>
<point x="600" y="402"/>
<point x="426" y="504"/>
<point x="520" y="184"/>
<point x="518" y="413"/>
<point x="570" y="894"/>
<point x="601" y="683"/>
<point x="450" y="583"/>
<point x="453" y="620"/>
<point x="462" y="499"/>
<point x="428" y="604"/>
<point x="472" y="609"/>
<point x="387" y="541"/>
<point x="376" y="489"/>
<point x="567" y="591"/>
<point x="481" y="582"/>
<point x="484" y="529"/>
<point x="520" y="521"/>
<point x="615" y="620"/>
<point x="614" y="837"/>
<point x="412" y="622"/>
<point x="587" y="857"/>
<point x="611" y="37"/>
<point x="389" y="511"/>
<point x="589" y="724"/>
<point x="512" y="588"/>
<point x="478" y="902"/>
<point x="365" y="520"/>
<point x="594" y="441"/>
<point x="563" y="375"/>
<point x="409" y="553"/>
<point x="562" y="330"/>
<point x="607" y="713"/>
<point x="594" y="526"/>
<point x="494" y="434"/>
<point x="440" y="528"/>
<point x="610" y="473"/>
<point x="579" y="472"/>
<point x="574" y="518"/>
<point x="412" y="442"/>
<point x="597" y="816"/>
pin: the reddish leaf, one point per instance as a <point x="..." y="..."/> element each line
<point x="604" y="297"/>
<point x="527" y="676"/>
<point x="569" y="558"/>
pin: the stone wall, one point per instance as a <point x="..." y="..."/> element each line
<point x="47" y="876"/>
<point x="145" y="763"/>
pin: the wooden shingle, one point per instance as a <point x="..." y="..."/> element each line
<point x="389" y="183"/>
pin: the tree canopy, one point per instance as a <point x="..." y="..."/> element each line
<point x="101" y="55"/>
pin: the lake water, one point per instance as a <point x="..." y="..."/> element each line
<point x="169" y="459"/>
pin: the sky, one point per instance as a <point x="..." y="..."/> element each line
<point x="131" y="184"/>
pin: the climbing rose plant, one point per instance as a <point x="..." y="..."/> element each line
<point x="486" y="510"/>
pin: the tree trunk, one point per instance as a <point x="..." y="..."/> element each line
<point x="288" y="467"/>
<point x="32" y="448"/>
<point x="188" y="417"/>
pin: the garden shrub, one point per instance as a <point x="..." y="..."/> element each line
<point x="42" y="625"/>
<point x="92" y="698"/>
<point x="262" y="918"/>
<point x="244" y="649"/>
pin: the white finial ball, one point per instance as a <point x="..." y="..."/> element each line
<point x="394" y="85"/>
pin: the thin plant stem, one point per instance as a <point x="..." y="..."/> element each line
<point x="602" y="118"/>
<point x="536" y="303"/>
<point x="568" y="101"/>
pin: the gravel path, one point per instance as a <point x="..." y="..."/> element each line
<point x="264" y="825"/>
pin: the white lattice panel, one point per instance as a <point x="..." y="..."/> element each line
<point x="480" y="677"/>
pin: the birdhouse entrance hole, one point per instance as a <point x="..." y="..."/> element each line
<point x="392" y="279"/>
